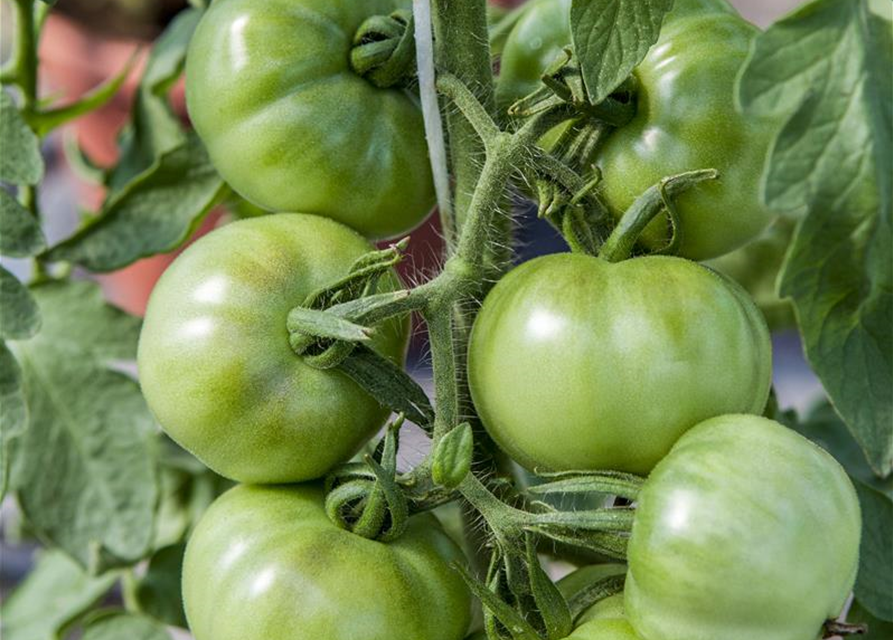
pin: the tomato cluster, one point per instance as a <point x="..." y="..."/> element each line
<point x="654" y="365"/>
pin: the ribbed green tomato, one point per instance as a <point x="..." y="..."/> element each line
<point x="215" y="363"/>
<point x="685" y="120"/>
<point x="604" y="620"/>
<point x="291" y="127"/>
<point x="577" y="363"/>
<point x="745" y="530"/>
<point x="266" y="563"/>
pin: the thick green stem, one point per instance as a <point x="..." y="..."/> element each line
<point x="443" y="360"/>
<point x="25" y="56"/>
<point x="462" y="49"/>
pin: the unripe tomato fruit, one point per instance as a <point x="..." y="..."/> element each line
<point x="577" y="363"/>
<point x="291" y="127"/>
<point x="686" y="119"/>
<point x="266" y="563"/>
<point x="215" y="363"/>
<point x="745" y="530"/>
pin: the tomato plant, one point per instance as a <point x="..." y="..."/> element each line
<point x="266" y="562"/>
<point x="291" y="127"/>
<point x="749" y="516"/>
<point x="573" y="359"/>
<point x="215" y="363"/>
<point x="607" y="406"/>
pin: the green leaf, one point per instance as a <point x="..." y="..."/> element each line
<point x="828" y="64"/>
<point x="874" y="585"/>
<point x="157" y="593"/>
<point x="117" y="626"/>
<point x="611" y="37"/>
<point x="325" y="325"/>
<point x="13" y="412"/>
<point x="389" y="384"/>
<point x="20" y="233"/>
<point x="155" y="213"/>
<point x="155" y="130"/>
<point x="45" y="121"/>
<point x="877" y="629"/>
<point x="19" y="314"/>
<point x="20" y="161"/>
<point x="56" y="593"/>
<point x="84" y="469"/>
<point x="187" y="489"/>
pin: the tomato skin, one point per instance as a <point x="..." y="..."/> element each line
<point x="291" y="127"/>
<point x="745" y="530"/>
<point x="533" y="44"/>
<point x="576" y="363"/>
<point x="214" y="360"/>
<point x="686" y="119"/>
<point x="266" y="563"/>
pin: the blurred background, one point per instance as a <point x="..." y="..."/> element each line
<point x="87" y="41"/>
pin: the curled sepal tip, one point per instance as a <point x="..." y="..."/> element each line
<point x="366" y="499"/>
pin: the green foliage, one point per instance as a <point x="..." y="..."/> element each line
<point x="611" y="37"/>
<point x="89" y="424"/>
<point x="115" y="626"/>
<point x="874" y="585"/>
<point x="827" y="68"/>
<point x="20" y="162"/>
<point x="56" y="594"/>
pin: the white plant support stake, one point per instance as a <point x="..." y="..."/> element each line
<point x="424" y="46"/>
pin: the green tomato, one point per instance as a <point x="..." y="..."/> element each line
<point x="685" y="120"/>
<point x="535" y="41"/>
<point x="291" y="127"/>
<point x="214" y="358"/>
<point x="745" y="530"/>
<point x="266" y="563"/>
<point x="604" y="620"/>
<point x="577" y="363"/>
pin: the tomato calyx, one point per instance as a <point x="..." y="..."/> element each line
<point x="384" y="50"/>
<point x="657" y="199"/>
<point x="327" y="338"/>
<point x="365" y="498"/>
<point x="563" y="83"/>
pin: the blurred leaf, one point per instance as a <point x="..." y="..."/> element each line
<point x="13" y="412"/>
<point x="874" y="585"/>
<point x="154" y="213"/>
<point x="827" y="66"/>
<point x="20" y="233"/>
<point x="19" y="314"/>
<point x="157" y="593"/>
<point x="187" y="489"/>
<point x="46" y="120"/>
<point x="877" y="629"/>
<point x="56" y="593"/>
<point x="121" y="626"/>
<point x="611" y="37"/>
<point x="155" y="131"/>
<point x="84" y="469"/>
<point x="20" y="161"/>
